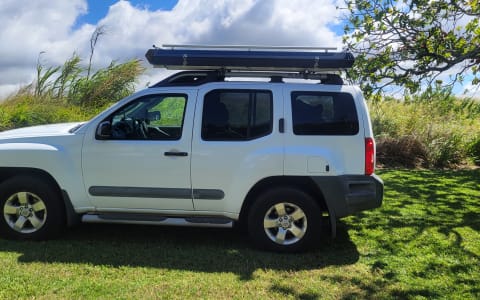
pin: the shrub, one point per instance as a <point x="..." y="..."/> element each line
<point x="106" y="85"/>
<point x="474" y="150"/>
<point x="433" y="131"/>
<point x="21" y="111"/>
<point x="406" y="151"/>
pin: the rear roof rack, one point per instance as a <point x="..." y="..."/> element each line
<point x="249" y="58"/>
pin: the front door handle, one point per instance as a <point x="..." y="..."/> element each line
<point x="175" y="153"/>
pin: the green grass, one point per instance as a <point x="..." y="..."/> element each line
<point x="423" y="243"/>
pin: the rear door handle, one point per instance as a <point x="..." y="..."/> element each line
<point x="175" y="153"/>
<point x="281" y="125"/>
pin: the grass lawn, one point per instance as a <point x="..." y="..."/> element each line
<point x="423" y="243"/>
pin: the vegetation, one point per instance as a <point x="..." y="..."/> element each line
<point x="430" y="130"/>
<point x="410" y="43"/>
<point x="175" y="108"/>
<point x="422" y="243"/>
<point x="66" y="93"/>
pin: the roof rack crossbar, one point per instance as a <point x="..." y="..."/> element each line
<point x="291" y="75"/>
<point x="248" y="47"/>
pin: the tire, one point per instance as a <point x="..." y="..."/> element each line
<point x="285" y="220"/>
<point x="30" y="209"/>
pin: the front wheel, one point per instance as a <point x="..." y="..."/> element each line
<point x="30" y="208"/>
<point x="285" y="220"/>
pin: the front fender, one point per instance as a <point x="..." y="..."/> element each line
<point x="61" y="161"/>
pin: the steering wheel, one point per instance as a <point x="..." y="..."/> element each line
<point x="122" y="129"/>
<point x="140" y="128"/>
<point x="160" y="131"/>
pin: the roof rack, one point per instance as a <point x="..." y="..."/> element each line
<point x="249" y="58"/>
<point x="195" y="78"/>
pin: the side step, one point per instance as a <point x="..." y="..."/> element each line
<point x="148" y="219"/>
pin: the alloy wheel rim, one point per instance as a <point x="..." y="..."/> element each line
<point x="285" y="223"/>
<point x="25" y="212"/>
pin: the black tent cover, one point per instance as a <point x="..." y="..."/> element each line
<point x="247" y="59"/>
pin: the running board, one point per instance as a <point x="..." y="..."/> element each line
<point x="146" y="219"/>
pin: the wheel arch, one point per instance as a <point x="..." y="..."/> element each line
<point x="303" y="183"/>
<point x="72" y="217"/>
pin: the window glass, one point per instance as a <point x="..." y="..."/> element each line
<point x="153" y="117"/>
<point x="324" y="113"/>
<point x="236" y="115"/>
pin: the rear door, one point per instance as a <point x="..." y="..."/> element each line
<point x="236" y="143"/>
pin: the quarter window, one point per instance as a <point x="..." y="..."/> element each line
<point x="236" y="115"/>
<point x="324" y="113"/>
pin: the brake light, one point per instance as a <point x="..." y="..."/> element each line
<point x="369" y="156"/>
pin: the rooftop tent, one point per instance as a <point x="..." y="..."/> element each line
<point x="251" y="58"/>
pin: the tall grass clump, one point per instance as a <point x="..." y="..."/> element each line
<point x="431" y="130"/>
<point x="68" y="93"/>
<point x="25" y="110"/>
<point x="106" y="85"/>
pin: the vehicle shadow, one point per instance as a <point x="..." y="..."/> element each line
<point x="178" y="248"/>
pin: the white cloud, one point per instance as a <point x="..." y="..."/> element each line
<point x="471" y="91"/>
<point x="30" y="27"/>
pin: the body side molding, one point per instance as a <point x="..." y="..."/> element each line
<point x="149" y="192"/>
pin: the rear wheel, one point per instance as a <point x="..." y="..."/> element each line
<point x="285" y="220"/>
<point x="30" y="208"/>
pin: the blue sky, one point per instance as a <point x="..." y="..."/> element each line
<point x="97" y="9"/>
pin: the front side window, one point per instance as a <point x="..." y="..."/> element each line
<point x="324" y="113"/>
<point x="236" y="115"/>
<point x="153" y="117"/>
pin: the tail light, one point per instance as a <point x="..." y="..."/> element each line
<point x="369" y="156"/>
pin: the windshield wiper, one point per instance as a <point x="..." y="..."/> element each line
<point x="72" y="130"/>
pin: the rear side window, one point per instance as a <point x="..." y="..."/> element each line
<point x="324" y="113"/>
<point x="236" y="115"/>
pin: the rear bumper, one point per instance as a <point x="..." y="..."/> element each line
<point x="348" y="194"/>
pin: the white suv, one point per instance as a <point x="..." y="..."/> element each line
<point x="281" y="159"/>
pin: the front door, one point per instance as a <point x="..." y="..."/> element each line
<point x="138" y="158"/>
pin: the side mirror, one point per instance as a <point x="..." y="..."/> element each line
<point x="104" y="131"/>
